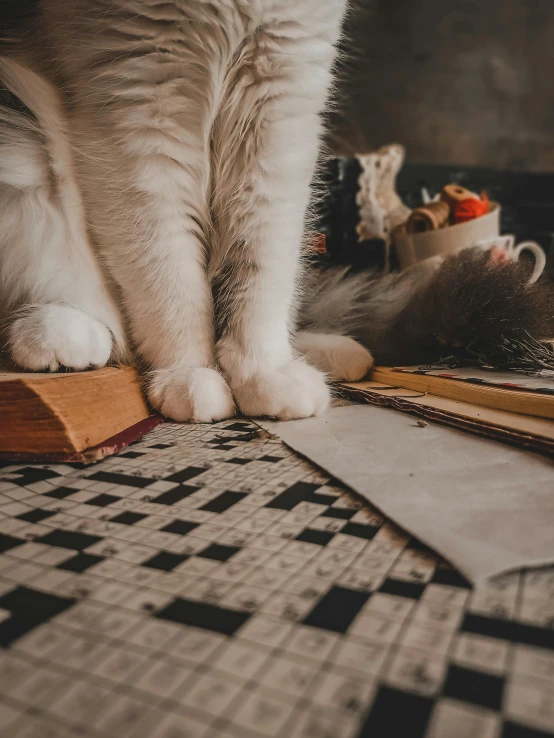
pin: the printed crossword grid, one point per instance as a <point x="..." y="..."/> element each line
<point x="209" y="583"/>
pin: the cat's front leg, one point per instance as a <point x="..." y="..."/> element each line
<point x="255" y="309"/>
<point x="157" y="256"/>
<point x="145" y="173"/>
<point x="170" y="306"/>
<point x="262" y="189"/>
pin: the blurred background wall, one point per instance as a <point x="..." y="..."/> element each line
<point x="455" y="81"/>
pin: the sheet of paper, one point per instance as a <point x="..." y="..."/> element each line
<point x="486" y="507"/>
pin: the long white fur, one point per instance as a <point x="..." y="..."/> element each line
<point x="46" y="265"/>
<point x="187" y="131"/>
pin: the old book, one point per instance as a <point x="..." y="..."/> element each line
<point x="497" y="397"/>
<point x="540" y="380"/>
<point x="77" y="416"/>
<point x="524" y="431"/>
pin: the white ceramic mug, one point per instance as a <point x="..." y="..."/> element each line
<point x="507" y="245"/>
<point x="483" y="232"/>
<point x="411" y="248"/>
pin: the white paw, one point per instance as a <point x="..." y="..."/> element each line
<point x="340" y="357"/>
<point x="295" y="390"/>
<point x="198" y="394"/>
<point x="50" y="336"/>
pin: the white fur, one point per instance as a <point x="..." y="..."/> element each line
<point x="45" y="257"/>
<point x="193" y="128"/>
<point x="198" y="394"/>
<point x="49" y="336"/>
<point x="340" y="357"/>
<point x="294" y="390"/>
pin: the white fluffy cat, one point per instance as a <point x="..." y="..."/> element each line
<point x="155" y="167"/>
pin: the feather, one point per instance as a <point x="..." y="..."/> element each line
<point x="424" y="314"/>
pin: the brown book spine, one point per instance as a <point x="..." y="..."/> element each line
<point x="67" y="413"/>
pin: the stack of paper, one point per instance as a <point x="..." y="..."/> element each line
<point x="520" y="411"/>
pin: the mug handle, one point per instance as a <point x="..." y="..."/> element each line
<point x="538" y="253"/>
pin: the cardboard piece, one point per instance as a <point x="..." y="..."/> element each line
<point x="524" y="431"/>
<point x="486" y="507"/>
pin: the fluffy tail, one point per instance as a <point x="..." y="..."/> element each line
<point x="431" y="311"/>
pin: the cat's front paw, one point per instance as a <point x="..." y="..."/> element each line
<point x="294" y="390"/>
<point x="191" y="394"/>
<point x="50" y="336"/>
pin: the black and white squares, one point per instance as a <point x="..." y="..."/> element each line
<point x="208" y="583"/>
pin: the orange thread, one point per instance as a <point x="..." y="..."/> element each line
<point x="319" y="244"/>
<point x="470" y="209"/>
